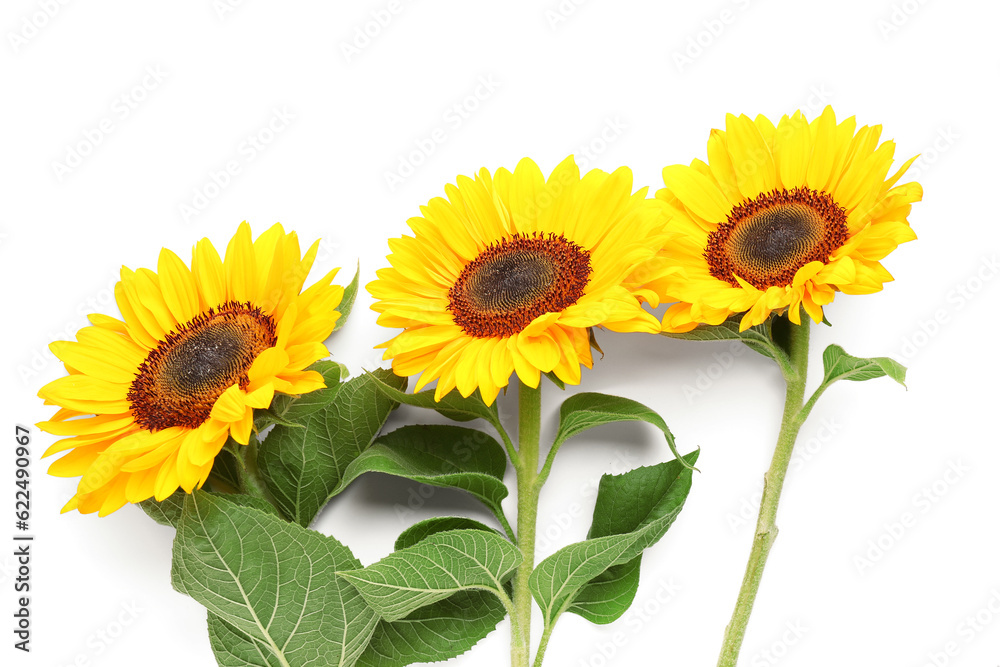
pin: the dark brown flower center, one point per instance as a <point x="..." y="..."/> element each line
<point x="766" y="240"/>
<point x="180" y="380"/>
<point x="514" y="281"/>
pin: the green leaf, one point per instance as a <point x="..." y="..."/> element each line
<point x="232" y="647"/>
<point x="303" y="465"/>
<point x="288" y="410"/>
<point x="421" y="530"/>
<point x="347" y="302"/>
<point x="442" y="456"/>
<point x="434" y="633"/>
<point x="439" y="631"/>
<point x="582" y="577"/>
<point x="453" y="405"/>
<point x="758" y="338"/>
<point x="606" y="597"/>
<point x="586" y="410"/>
<point x="839" y="365"/>
<point x="624" y="502"/>
<point x="270" y="587"/>
<point x="307" y="404"/>
<point x="168" y="512"/>
<point x="435" y="569"/>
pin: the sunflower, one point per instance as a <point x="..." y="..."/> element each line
<point x="510" y="272"/>
<point x="780" y="217"/>
<point x="151" y="399"/>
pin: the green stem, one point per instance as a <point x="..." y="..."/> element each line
<point x="794" y="415"/>
<point x="250" y="478"/>
<point x="505" y="524"/>
<point x="546" y="635"/>
<point x="529" y="426"/>
<point x="515" y="459"/>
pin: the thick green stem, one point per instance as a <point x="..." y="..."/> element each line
<point x="250" y="478"/>
<point x="529" y="426"/>
<point x="774" y="479"/>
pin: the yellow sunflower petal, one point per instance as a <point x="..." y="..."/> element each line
<point x="697" y="192"/>
<point x="167" y="479"/>
<point x="793" y="150"/>
<point x="751" y="156"/>
<point x="150" y="294"/>
<point x="209" y="274"/>
<point x="94" y="361"/>
<point x="107" y="322"/>
<point x="138" y="313"/>
<point x="241" y="267"/>
<point x="230" y="406"/>
<point x="179" y="289"/>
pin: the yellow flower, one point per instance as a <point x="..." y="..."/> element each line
<point x="780" y="217"/>
<point x="509" y="273"/>
<point x="151" y="399"/>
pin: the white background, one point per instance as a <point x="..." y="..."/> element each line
<point x="603" y="80"/>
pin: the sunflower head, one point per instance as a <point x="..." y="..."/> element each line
<point x="151" y="398"/>
<point x="780" y="218"/>
<point x="510" y="272"/>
